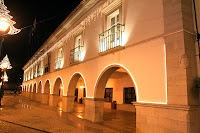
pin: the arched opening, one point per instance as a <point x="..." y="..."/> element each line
<point x="56" y="98"/>
<point x="45" y="92"/>
<point x="116" y="86"/>
<point x="77" y="90"/>
<point x="34" y="92"/>
<point x="34" y="88"/>
<point x="30" y="88"/>
<point x="58" y="87"/>
<point x="39" y="90"/>
<point x="47" y="87"/>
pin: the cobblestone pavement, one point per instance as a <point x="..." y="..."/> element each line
<point x="21" y="115"/>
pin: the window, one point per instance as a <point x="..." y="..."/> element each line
<point x="60" y="53"/>
<point x="129" y="94"/>
<point x="112" y="22"/>
<point x="108" y="94"/>
<point x="112" y="36"/>
<point x="47" y="66"/>
<point x="59" y="61"/>
<point x="76" y="53"/>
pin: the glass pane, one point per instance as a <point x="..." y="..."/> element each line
<point x="112" y="21"/>
<point x="118" y="18"/>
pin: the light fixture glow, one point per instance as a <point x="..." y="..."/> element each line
<point x="5" y="77"/>
<point x="5" y="63"/>
<point x="4" y="25"/>
<point x="81" y="87"/>
<point x="5" y="20"/>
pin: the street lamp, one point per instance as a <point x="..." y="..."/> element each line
<point x="6" y="28"/>
<point x="4" y="65"/>
<point x="6" y="24"/>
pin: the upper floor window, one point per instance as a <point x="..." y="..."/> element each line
<point x="40" y="69"/>
<point x="47" y="65"/>
<point x="59" y="61"/>
<point x="112" y="36"/>
<point x="76" y="53"/>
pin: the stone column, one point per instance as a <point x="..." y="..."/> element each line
<point x="27" y="94"/>
<point x="68" y="103"/>
<point x="38" y="97"/>
<point x="94" y="109"/>
<point x="182" y="112"/>
<point x="33" y="96"/>
<point x="53" y="100"/>
<point x="30" y="95"/>
<point x="45" y="98"/>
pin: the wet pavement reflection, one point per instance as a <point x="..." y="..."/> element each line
<point x="19" y="114"/>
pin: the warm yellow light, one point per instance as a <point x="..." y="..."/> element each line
<point x="124" y="38"/>
<point x="5" y="65"/>
<point x="81" y="87"/>
<point x="4" y="25"/>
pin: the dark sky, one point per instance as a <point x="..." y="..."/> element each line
<point x="24" y="12"/>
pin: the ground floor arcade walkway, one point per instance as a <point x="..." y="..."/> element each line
<point x="20" y="114"/>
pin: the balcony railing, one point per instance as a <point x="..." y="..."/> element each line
<point x="47" y="68"/>
<point x="111" y="38"/>
<point x="40" y="71"/>
<point x="58" y="63"/>
<point x="76" y="54"/>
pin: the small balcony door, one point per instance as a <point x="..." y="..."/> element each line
<point x="112" y="22"/>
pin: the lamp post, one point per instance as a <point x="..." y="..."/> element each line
<point x="6" y="28"/>
<point x="4" y="65"/>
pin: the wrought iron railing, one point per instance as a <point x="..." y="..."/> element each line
<point x="58" y="63"/>
<point x="76" y="54"/>
<point x="111" y="38"/>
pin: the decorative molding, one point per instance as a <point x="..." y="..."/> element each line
<point x="164" y="106"/>
<point x="112" y="6"/>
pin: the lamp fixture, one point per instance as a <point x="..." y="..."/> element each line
<point x="6" y="24"/>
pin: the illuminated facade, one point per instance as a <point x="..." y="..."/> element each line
<point x="140" y="54"/>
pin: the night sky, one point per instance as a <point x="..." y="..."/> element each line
<point x="24" y="12"/>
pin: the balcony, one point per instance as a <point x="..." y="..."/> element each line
<point x="35" y="75"/>
<point x="76" y="54"/>
<point x="58" y="63"/>
<point x="111" y="38"/>
<point x="40" y="72"/>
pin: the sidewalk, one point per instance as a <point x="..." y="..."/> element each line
<point x="21" y="115"/>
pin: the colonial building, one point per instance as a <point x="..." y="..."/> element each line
<point x="143" y="54"/>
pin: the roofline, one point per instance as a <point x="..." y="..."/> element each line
<point x="58" y="29"/>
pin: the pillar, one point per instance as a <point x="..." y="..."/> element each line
<point x="38" y="97"/>
<point x="94" y="109"/>
<point x="45" y="98"/>
<point x="68" y="103"/>
<point x="30" y="95"/>
<point x="34" y="96"/>
<point x="53" y="100"/>
<point x="27" y="94"/>
<point x="182" y="111"/>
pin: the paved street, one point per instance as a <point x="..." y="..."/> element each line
<point x="21" y="115"/>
